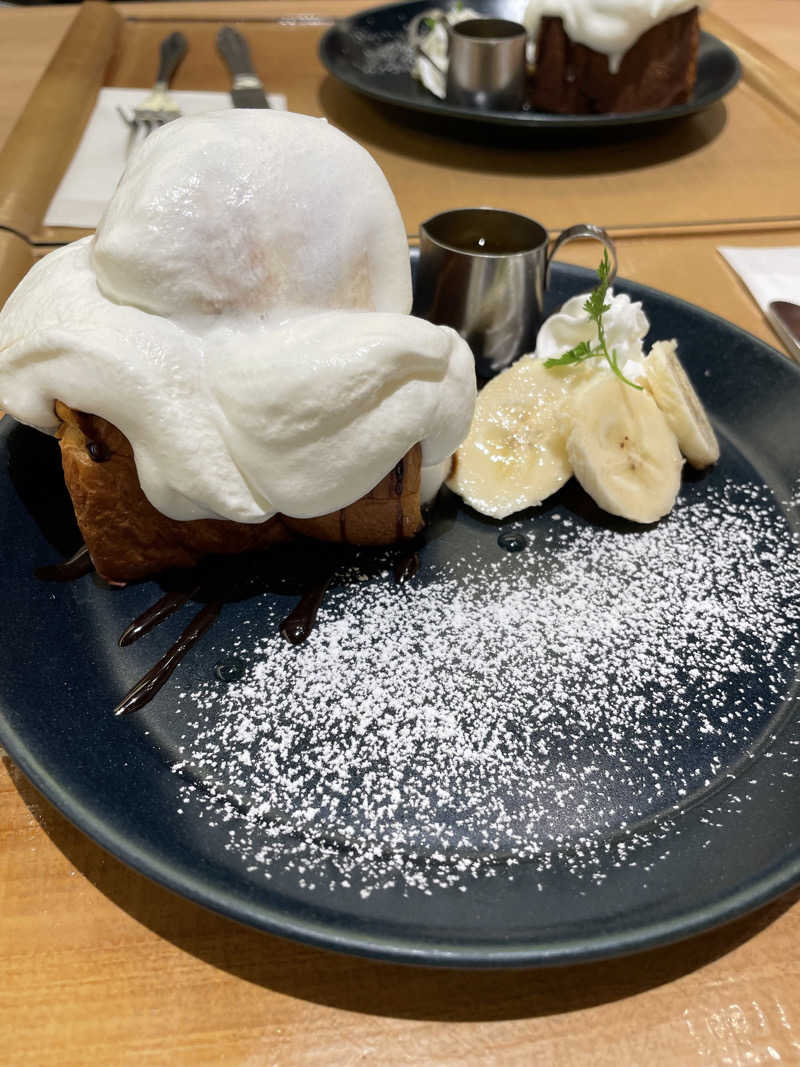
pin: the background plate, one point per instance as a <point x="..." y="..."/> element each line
<point x="674" y="812"/>
<point x="368" y="53"/>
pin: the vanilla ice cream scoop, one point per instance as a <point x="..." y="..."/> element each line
<point x="232" y="211"/>
<point x="241" y="317"/>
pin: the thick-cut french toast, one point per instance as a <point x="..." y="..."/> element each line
<point x="129" y="539"/>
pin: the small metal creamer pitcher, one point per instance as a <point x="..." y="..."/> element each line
<point x="485" y="66"/>
<point x="484" y="272"/>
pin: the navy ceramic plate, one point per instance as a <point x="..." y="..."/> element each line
<point x="367" y="52"/>
<point x="578" y="749"/>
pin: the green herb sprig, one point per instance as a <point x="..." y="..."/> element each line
<point x="595" y="307"/>
<point x="429" y="22"/>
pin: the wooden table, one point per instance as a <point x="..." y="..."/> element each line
<point x="100" y="966"/>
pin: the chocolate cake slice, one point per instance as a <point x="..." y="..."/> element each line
<point x="658" y="71"/>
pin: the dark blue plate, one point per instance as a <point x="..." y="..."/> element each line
<point x="365" y="52"/>
<point x="716" y="848"/>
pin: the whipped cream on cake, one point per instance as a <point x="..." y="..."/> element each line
<point x="607" y="26"/>
<point x="242" y="317"/>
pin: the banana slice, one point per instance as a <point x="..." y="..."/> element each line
<point x="671" y="389"/>
<point x="623" y="451"/>
<point x="515" y="454"/>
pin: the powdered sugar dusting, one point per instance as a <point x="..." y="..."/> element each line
<point x="381" y="52"/>
<point x="558" y="705"/>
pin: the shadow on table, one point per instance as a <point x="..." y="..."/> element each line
<point x="531" y="152"/>
<point x="375" y="988"/>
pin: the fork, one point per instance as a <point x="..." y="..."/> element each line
<point x="158" y="107"/>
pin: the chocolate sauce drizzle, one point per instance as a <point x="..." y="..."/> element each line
<point x="299" y="623"/>
<point x="405" y="567"/>
<point x="148" y="620"/>
<point x="68" y="571"/>
<point x="98" y="451"/>
<point x="398" y="475"/>
<point x="147" y="687"/>
<point x="295" y="628"/>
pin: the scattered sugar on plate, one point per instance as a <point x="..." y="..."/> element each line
<point x="382" y="53"/>
<point x="556" y="705"/>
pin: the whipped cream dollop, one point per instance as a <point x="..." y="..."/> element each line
<point x="625" y="325"/>
<point x="428" y="35"/>
<point x="241" y="316"/>
<point x="607" y="26"/>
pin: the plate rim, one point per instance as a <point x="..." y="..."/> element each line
<point x="387" y="948"/>
<point x="519" y="119"/>
<point x="186" y="881"/>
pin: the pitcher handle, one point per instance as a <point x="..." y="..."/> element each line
<point x="572" y="233"/>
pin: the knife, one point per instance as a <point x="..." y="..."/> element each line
<point x="784" y="317"/>
<point x="247" y="89"/>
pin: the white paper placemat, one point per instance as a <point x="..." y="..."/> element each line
<point x="92" y="176"/>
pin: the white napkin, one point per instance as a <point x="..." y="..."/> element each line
<point x="92" y="176"/>
<point x="769" y="273"/>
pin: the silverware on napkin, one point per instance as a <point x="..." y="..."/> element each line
<point x="158" y="107"/>
<point x="247" y="89"/>
<point x="784" y="317"/>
